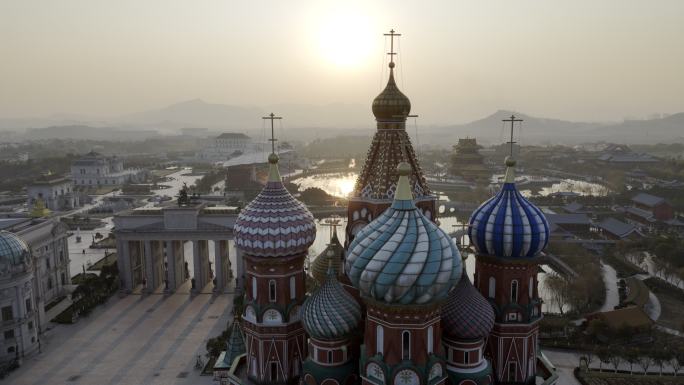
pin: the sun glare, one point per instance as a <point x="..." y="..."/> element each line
<point x="345" y="39"/>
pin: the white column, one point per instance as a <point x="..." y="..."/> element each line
<point x="170" y="266"/>
<point x="149" y="267"/>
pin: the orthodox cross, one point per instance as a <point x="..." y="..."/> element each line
<point x="464" y="232"/>
<point x="272" y="117"/>
<point x="392" y="34"/>
<point x="332" y="222"/>
<point x="512" y="119"/>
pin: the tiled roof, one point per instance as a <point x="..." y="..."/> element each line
<point x="616" y="227"/>
<point x="331" y="257"/>
<point x="647" y="199"/>
<point x="330" y="313"/>
<point x="467" y="315"/>
<point x="402" y="257"/>
<point x="275" y="223"/>
<point x="232" y="135"/>
<point x="235" y="345"/>
<point x="568" y="219"/>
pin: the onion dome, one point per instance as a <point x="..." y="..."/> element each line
<point x="467" y="315"/>
<point x="14" y="252"/>
<point x="402" y="257"/>
<point x="331" y="313"/>
<point x="391" y="104"/>
<point x="274" y="224"/>
<point x="508" y="225"/>
<point x="331" y="257"/>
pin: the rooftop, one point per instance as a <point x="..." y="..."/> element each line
<point x="568" y="219"/>
<point x="618" y="228"/>
<point x="233" y="135"/>
<point x="648" y="199"/>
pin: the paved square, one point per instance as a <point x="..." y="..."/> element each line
<point x="137" y="339"/>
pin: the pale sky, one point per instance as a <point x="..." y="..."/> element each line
<point x="458" y="60"/>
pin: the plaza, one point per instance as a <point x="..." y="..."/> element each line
<point x="137" y="339"/>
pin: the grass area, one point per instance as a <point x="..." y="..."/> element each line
<point x="638" y="292"/>
<point x="671" y="302"/>
<point x="594" y="377"/>
<point x="162" y="173"/>
<point x="623" y="267"/>
<point x="104" y="190"/>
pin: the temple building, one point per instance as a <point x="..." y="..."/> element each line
<point x="55" y="191"/>
<point x="467" y="162"/>
<point x="95" y="170"/>
<point x="508" y="233"/>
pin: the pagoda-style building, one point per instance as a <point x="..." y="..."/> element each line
<point x="377" y="183"/>
<point x="508" y="233"/>
<point x="274" y="233"/>
<point x="467" y="162"/>
<point x="403" y="266"/>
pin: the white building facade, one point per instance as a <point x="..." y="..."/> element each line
<point x="226" y="146"/>
<point x="56" y="192"/>
<point x="94" y="169"/>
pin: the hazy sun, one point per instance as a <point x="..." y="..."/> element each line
<point x="345" y="38"/>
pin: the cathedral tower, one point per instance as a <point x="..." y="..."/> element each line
<point x="403" y="266"/>
<point x="376" y="185"/>
<point x="508" y="233"/>
<point x="274" y="233"/>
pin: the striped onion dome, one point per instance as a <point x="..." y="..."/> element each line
<point x="14" y="252"/>
<point x="331" y="257"/>
<point x="508" y="225"/>
<point x="467" y="315"/>
<point x="330" y="313"/>
<point x="402" y="257"/>
<point x="274" y="224"/>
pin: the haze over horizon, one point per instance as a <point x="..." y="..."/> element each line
<point x="457" y="62"/>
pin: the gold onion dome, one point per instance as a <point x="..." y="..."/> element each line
<point x="391" y="104"/>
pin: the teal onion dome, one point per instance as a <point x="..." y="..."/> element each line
<point x="14" y="252"/>
<point x="508" y="225"/>
<point x="402" y="257"/>
<point x="330" y="313"/>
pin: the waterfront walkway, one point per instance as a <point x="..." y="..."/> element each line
<point x="149" y="340"/>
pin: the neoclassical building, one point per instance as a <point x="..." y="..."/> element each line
<point x="18" y="310"/>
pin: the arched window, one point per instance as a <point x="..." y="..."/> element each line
<point x="530" y="288"/>
<point x="272" y="290"/>
<point x="492" y="287"/>
<point x="330" y="356"/>
<point x="514" y="291"/>
<point x="293" y="288"/>
<point x="466" y="357"/>
<point x="379" y="339"/>
<point x="430" y="337"/>
<point x="406" y="345"/>
<point x="254" y="288"/>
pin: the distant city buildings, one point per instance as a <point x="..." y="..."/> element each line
<point x="226" y="146"/>
<point x="467" y="162"/>
<point x="94" y="170"/>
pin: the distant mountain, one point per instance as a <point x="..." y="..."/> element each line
<point x="87" y="133"/>
<point x="651" y="131"/>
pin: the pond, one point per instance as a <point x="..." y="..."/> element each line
<point x="336" y="184"/>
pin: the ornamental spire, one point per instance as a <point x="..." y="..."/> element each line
<point x="273" y="172"/>
<point x="510" y="162"/>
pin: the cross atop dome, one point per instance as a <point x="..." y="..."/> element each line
<point x="272" y="117"/>
<point x="391" y="53"/>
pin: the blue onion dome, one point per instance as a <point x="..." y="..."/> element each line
<point x="330" y="313"/>
<point x="467" y="315"/>
<point x="274" y="224"/>
<point x="402" y="257"/>
<point x="391" y="104"/>
<point x="15" y="254"/>
<point x="508" y="225"/>
<point x="331" y="257"/>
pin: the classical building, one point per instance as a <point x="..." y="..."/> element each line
<point x="94" y="170"/>
<point x="47" y="242"/>
<point x="467" y="162"/>
<point x="56" y="192"/>
<point x="508" y="233"/>
<point x="20" y="318"/>
<point x="227" y="145"/>
<point x="274" y="233"/>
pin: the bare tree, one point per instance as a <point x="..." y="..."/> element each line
<point x="644" y="362"/>
<point x="558" y="288"/>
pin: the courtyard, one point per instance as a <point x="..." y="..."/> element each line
<point x="136" y="339"/>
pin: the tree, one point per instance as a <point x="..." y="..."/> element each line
<point x="604" y="354"/>
<point x="661" y="356"/>
<point x="631" y="355"/>
<point x="616" y="354"/>
<point x="644" y="361"/>
<point x="559" y="290"/>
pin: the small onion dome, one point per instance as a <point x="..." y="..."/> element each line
<point x="274" y="224"/>
<point x="391" y="104"/>
<point x="331" y="313"/>
<point x="467" y="315"/>
<point x="13" y="251"/>
<point x="508" y="225"/>
<point x="331" y="257"/>
<point x="402" y="257"/>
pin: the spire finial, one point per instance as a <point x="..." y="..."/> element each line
<point x="403" y="186"/>
<point x="391" y="53"/>
<point x="332" y="222"/>
<point x="512" y="119"/>
<point x="272" y="117"/>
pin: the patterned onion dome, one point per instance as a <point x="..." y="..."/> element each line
<point x="331" y="257"/>
<point x="391" y="104"/>
<point x="402" y="257"/>
<point x="508" y="225"/>
<point x="467" y="315"/>
<point x="274" y="224"/>
<point x="13" y="251"/>
<point x="331" y="313"/>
